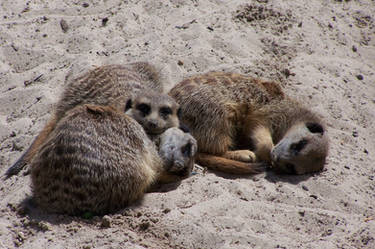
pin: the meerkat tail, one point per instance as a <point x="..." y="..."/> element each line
<point x="227" y="165"/>
<point x="32" y="150"/>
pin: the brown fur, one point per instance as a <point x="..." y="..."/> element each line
<point x="227" y="112"/>
<point x="111" y="85"/>
<point x="100" y="160"/>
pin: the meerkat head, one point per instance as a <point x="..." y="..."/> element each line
<point x="177" y="150"/>
<point x="303" y="149"/>
<point x="156" y="112"/>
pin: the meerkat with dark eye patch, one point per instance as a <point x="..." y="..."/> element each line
<point x="155" y="112"/>
<point x="100" y="160"/>
<point x="111" y="85"/>
<point x="241" y="123"/>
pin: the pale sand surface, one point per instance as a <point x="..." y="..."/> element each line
<point x="324" y="45"/>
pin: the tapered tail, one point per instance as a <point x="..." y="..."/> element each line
<point x="32" y="150"/>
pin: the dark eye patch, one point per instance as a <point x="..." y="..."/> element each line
<point x="179" y="113"/>
<point x="186" y="150"/>
<point x="315" y="128"/>
<point x="145" y="109"/>
<point x="297" y="147"/>
<point x="128" y="105"/>
<point x="165" y="111"/>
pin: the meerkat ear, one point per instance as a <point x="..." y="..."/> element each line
<point x="128" y="105"/>
<point x="194" y="147"/>
<point x="99" y="110"/>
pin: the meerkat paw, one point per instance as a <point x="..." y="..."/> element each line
<point x="246" y="156"/>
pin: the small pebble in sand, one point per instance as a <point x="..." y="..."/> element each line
<point x="43" y="226"/>
<point x="360" y="76"/>
<point x="106" y="222"/>
<point x="167" y="210"/>
<point x="104" y="21"/>
<point x="144" y="225"/>
<point x="64" y="25"/>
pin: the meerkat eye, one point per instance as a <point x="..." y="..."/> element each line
<point x="315" y="128"/>
<point x="186" y="150"/>
<point x="145" y="109"/>
<point x="165" y="111"/>
<point x="297" y="147"/>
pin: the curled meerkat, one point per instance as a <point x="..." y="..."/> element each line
<point x="241" y="122"/>
<point x="111" y="85"/>
<point x="100" y="160"/>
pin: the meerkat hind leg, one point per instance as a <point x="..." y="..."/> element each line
<point x="262" y="140"/>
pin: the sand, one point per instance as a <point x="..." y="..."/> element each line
<point x="322" y="52"/>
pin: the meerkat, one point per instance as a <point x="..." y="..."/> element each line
<point x="100" y="160"/>
<point x="242" y="123"/>
<point x="118" y="86"/>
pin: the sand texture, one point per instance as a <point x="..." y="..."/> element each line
<point x="322" y="52"/>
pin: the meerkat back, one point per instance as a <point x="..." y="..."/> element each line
<point x="95" y="160"/>
<point x="213" y="105"/>
<point x="107" y="85"/>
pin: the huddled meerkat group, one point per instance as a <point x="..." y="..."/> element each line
<point x="114" y="133"/>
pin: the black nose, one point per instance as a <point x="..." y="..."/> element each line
<point x="152" y="125"/>
<point x="183" y="173"/>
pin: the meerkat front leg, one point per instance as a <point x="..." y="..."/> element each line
<point x="240" y="155"/>
<point x="236" y="112"/>
<point x="262" y="140"/>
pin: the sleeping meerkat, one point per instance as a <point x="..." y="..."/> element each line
<point x="100" y="160"/>
<point x="111" y="85"/>
<point x="240" y="122"/>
